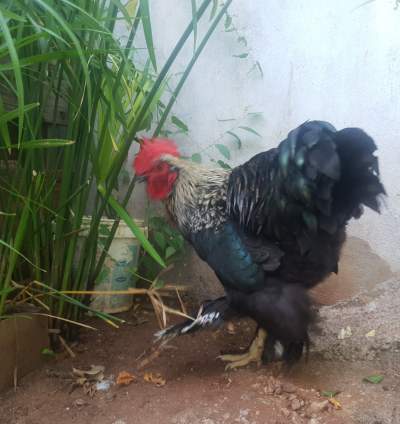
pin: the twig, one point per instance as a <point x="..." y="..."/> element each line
<point x="155" y="354"/>
<point x="184" y="310"/>
<point x="67" y="348"/>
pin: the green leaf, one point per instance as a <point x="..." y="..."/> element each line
<point x="242" y="40"/>
<point x="131" y="7"/>
<point x="329" y="393"/>
<point x="226" y="120"/>
<point x="158" y="284"/>
<point x="255" y="114"/>
<point x="177" y="242"/>
<point x="214" y="9"/>
<point x="104" y="230"/>
<point x="157" y="222"/>
<point x="160" y="239"/>
<point x="223" y="164"/>
<point x="131" y="224"/>
<point x="48" y="352"/>
<point x="7" y="290"/>
<point x="228" y="21"/>
<point x="170" y="251"/>
<point x="148" y="35"/>
<point x="250" y="130"/>
<point x="176" y="121"/>
<point x="241" y="55"/>
<point x="45" y="143"/>
<point x="236" y="137"/>
<point x="374" y="379"/>
<point x="223" y="150"/>
<point x="12" y="114"/>
<point x="260" y="68"/>
<point x="196" y="157"/>
<point x="40" y="58"/>
<point x="10" y="15"/>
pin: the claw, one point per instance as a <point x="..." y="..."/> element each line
<point x="254" y="354"/>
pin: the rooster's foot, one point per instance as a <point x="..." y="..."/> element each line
<point x="254" y="354"/>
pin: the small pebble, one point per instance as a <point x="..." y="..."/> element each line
<point x="80" y="402"/>
<point x="289" y="388"/>
<point x="295" y="405"/>
<point x="317" y="407"/>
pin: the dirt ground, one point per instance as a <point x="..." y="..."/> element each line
<point x="197" y="390"/>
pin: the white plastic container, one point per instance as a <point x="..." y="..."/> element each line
<point x="119" y="266"/>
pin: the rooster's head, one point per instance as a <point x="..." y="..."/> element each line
<point x="151" y="164"/>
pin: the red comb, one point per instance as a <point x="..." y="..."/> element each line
<point x="150" y="151"/>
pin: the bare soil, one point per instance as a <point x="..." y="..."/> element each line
<point x="197" y="388"/>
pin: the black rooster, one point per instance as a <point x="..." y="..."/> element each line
<point x="270" y="229"/>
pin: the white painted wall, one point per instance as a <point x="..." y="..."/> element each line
<point x="321" y="60"/>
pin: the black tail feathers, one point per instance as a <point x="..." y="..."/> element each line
<point x="359" y="183"/>
<point x="327" y="175"/>
<point x="210" y="315"/>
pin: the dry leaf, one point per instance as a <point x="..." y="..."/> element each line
<point x="89" y="389"/>
<point x="335" y="403"/>
<point x="371" y="333"/>
<point x="95" y="373"/>
<point x="154" y="379"/>
<point x="124" y="378"/>
<point x="81" y="381"/>
<point x="374" y="379"/>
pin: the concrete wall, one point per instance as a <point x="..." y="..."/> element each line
<point x="321" y="60"/>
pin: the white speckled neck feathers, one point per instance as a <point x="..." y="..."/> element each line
<point x="198" y="200"/>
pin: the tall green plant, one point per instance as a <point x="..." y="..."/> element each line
<point x="72" y="100"/>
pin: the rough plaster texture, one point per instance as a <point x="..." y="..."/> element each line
<point x="366" y="327"/>
<point x="321" y="60"/>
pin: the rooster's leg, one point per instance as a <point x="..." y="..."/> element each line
<point x="254" y="354"/>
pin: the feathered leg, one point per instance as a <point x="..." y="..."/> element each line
<point x="254" y="354"/>
<point x="284" y="311"/>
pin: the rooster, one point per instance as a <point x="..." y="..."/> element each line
<point x="270" y="229"/>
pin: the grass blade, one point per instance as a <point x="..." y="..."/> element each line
<point x="194" y="17"/>
<point x="44" y="143"/>
<point x="148" y="35"/>
<point x="19" y="254"/>
<point x="134" y="228"/>
<point x="17" y="73"/>
<point x="9" y="116"/>
<point x="64" y="25"/>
